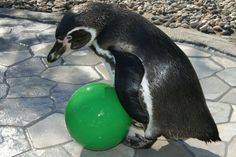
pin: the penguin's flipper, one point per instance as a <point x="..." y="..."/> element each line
<point x="129" y="72"/>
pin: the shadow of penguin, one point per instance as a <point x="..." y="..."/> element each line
<point x="162" y="149"/>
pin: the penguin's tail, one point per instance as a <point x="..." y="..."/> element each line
<point x="211" y="138"/>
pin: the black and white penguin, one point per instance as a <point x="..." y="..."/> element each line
<point x="154" y="80"/>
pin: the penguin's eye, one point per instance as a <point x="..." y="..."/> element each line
<point x="69" y="37"/>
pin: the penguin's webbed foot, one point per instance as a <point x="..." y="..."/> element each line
<point x="138" y="142"/>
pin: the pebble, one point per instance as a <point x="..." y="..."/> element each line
<point x="185" y="25"/>
<point x="225" y="32"/>
<point x="233" y="24"/>
<point x="194" y="24"/>
<point x="217" y="28"/>
<point x="157" y="22"/>
<point x="195" y="14"/>
<point x="172" y="25"/>
<point x="210" y="30"/>
<point x="227" y="26"/>
<point x="203" y="28"/>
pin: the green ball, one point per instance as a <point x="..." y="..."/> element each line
<point x="95" y="118"/>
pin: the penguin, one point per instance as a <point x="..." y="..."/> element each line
<point x="154" y="80"/>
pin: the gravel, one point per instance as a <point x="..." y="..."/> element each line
<point x="207" y="16"/>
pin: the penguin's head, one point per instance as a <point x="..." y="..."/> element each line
<point x="78" y="28"/>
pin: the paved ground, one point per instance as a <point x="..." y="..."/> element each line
<point x="33" y="95"/>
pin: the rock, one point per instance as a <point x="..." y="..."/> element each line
<point x="203" y="28"/>
<point x="157" y="22"/>
<point x="178" y="24"/>
<point x="194" y="24"/>
<point x="222" y="24"/>
<point x="172" y="25"/>
<point x="180" y="19"/>
<point x="154" y="18"/>
<point x="167" y="24"/>
<point x="217" y="28"/>
<point x="225" y="32"/>
<point x="185" y="25"/>
<point x="233" y="23"/>
<point x="227" y="27"/>
<point x="210" y="30"/>
<point x="228" y="18"/>
<point x="179" y="13"/>
<point x="215" y="11"/>
<point x="172" y="19"/>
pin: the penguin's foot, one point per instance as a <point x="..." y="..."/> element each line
<point x="138" y="142"/>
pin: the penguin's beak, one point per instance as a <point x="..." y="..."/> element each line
<point x="56" y="52"/>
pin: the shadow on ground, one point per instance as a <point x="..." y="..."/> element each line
<point x="172" y="149"/>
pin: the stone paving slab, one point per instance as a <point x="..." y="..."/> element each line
<point x="14" y="111"/>
<point x="82" y="57"/>
<point x="5" y="30"/>
<point x="73" y="148"/>
<point x="2" y="71"/>
<point x="119" y="151"/>
<point x="71" y="74"/>
<point x="164" y="149"/>
<point x="3" y="90"/>
<point x="8" y="58"/>
<point x="61" y="93"/>
<point x="204" y="67"/>
<point x="13" y="142"/>
<point x="42" y="49"/>
<point x="101" y="68"/>
<point x="51" y="131"/>
<point x="231" y="148"/>
<point x="227" y="131"/>
<point x="228" y="75"/>
<point x="31" y="67"/>
<point x="56" y="63"/>
<point x="227" y="63"/>
<point x="47" y="35"/>
<point x="25" y="14"/>
<point x="201" y="149"/>
<point x="230" y="97"/>
<point x="192" y="51"/>
<point x="27" y="39"/>
<point x="29" y="87"/>
<point x="213" y="87"/>
<point x="50" y="152"/>
<point x="8" y="22"/>
<point x="8" y="44"/>
<point x="220" y="111"/>
<point x="233" y="116"/>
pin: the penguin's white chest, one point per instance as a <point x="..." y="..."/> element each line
<point x="147" y="99"/>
